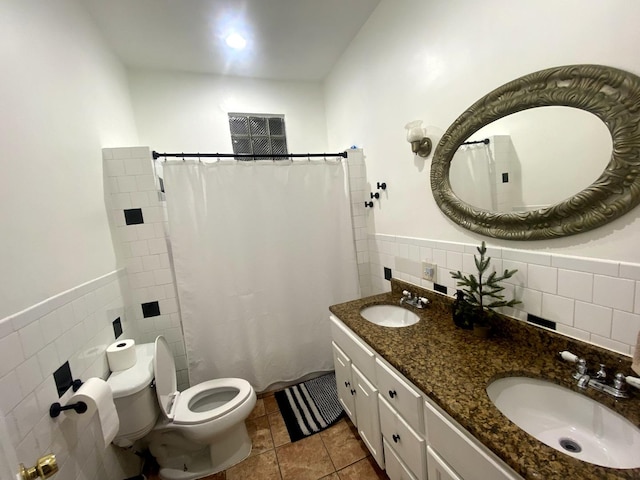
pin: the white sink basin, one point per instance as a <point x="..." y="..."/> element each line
<point x="389" y="316"/>
<point x="568" y="421"/>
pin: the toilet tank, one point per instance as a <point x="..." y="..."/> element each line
<point x="134" y="397"/>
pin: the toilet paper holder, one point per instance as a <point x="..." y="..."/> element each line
<point x="80" y="407"/>
<point x="56" y="408"/>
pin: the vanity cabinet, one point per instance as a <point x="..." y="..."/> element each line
<point x="438" y="468"/>
<point x="406" y="432"/>
<point x="453" y="453"/>
<point x="355" y="379"/>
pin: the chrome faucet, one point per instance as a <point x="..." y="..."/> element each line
<point x="413" y="300"/>
<point x="598" y="382"/>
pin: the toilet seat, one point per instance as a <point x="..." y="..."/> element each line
<point x="185" y="416"/>
<point x="176" y="406"/>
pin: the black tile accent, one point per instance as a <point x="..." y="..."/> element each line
<point x="151" y="309"/>
<point x="161" y="184"/>
<point x="63" y="378"/>
<point x="133" y="216"/>
<point x="387" y="273"/>
<point x="440" y="288"/>
<point x="505" y="177"/>
<point x="117" y="327"/>
<point x="543" y="322"/>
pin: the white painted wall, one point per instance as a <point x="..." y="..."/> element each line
<point x="64" y="96"/>
<point x="430" y="61"/>
<point x="180" y="112"/>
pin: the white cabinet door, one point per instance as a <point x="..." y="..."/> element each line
<point x="438" y="469"/>
<point x="459" y="449"/>
<point x="346" y="388"/>
<point x="396" y="470"/>
<point x="368" y="417"/>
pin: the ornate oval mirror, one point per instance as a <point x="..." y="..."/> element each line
<point x="612" y="95"/>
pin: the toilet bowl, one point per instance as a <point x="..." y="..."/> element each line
<point x="199" y="431"/>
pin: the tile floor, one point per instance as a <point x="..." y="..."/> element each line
<point x="336" y="453"/>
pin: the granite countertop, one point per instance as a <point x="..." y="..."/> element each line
<point x="453" y="368"/>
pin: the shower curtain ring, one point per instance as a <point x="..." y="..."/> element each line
<point x="183" y="157"/>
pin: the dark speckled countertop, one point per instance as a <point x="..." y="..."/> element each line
<point x="453" y="368"/>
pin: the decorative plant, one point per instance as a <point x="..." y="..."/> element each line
<point x="482" y="294"/>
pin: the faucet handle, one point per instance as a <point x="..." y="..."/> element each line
<point x="406" y="293"/>
<point x="423" y="302"/>
<point x="633" y="381"/>
<point x="601" y="374"/>
<point x="568" y="356"/>
<point x="581" y="369"/>
<point x="620" y="382"/>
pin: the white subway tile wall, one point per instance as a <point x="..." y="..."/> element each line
<point x="597" y="301"/>
<point x="143" y="248"/>
<point x="74" y="326"/>
<point x="359" y="193"/>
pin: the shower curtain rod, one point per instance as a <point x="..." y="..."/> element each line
<point x="485" y="141"/>
<point x="183" y="155"/>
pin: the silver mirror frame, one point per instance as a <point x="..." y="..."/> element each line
<point x="612" y="95"/>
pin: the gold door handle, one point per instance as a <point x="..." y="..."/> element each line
<point x="45" y="468"/>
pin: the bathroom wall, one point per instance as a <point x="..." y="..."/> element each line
<point x="430" y="61"/>
<point x="139" y="226"/>
<point x="73" y="326"/>
<point x="64" y="96"/>
<point x="178" y="112"/>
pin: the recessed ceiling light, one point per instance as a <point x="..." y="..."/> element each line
<point x="236" y="41"/>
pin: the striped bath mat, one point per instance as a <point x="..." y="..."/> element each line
<point x="310" y="407"/>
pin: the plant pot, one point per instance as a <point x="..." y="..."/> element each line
<point x="482" y="331"/>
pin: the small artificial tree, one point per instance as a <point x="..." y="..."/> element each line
<point x="480" y="297"/>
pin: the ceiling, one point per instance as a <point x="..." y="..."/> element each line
<point x="286" y="39"/>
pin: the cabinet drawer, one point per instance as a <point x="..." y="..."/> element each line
<point x="461" y="451"/>
<point x="360" y="354"/>
<point x="438" y="469"/>
<point x="396" y="470"/>
<point x="400" y="395"/>
<point x="409" y="445"/>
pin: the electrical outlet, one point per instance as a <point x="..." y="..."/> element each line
<point x="429" y="271"/>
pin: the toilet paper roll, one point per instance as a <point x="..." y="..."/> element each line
<point x="121" y="355"/>
<point x="97" y="395"/>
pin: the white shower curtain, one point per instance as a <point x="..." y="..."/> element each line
<point x="261" y="250"/>
<point x="472" y="176"/>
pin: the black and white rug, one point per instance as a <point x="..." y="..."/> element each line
<point x="310" y="406"/>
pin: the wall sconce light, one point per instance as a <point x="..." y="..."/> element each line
<point x="417" y="137"/>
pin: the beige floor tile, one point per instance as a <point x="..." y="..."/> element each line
<point x="258" y="410"/>
<point x="260" y="433"/>
<point x="366" y="469"/>
<point x="306" y="459"/>
<point x="271" y="404"/>
<point x="215" y="476"/>
<point x="343" y="444"/>
<point x="259" y="467"/>
<point x="333" y="476"/>
<point x="278" y="429"/>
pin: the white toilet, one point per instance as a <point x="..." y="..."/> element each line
<point x="193" y="433"/>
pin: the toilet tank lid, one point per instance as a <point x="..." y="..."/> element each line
<point x="132" y="380"/>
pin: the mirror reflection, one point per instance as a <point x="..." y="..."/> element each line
<point x="534" y="159"/>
